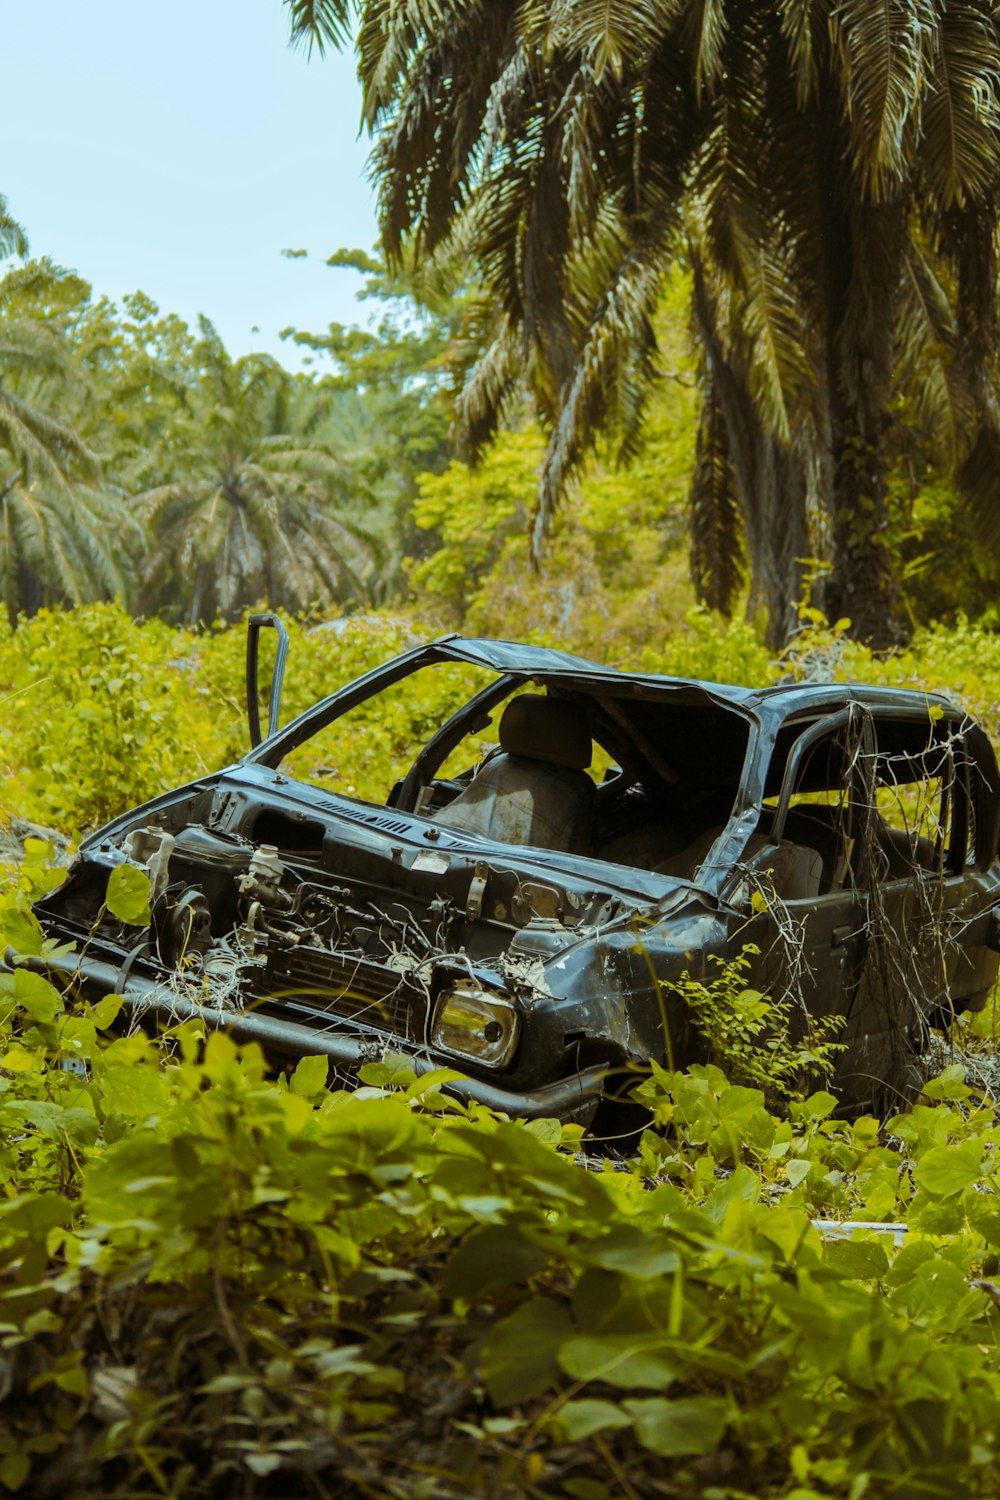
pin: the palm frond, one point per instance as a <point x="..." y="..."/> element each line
<point x="705" y="25"/>
<point x="320" y="23"/>
<point x="56" y="446"/>
<point x="885" y="48"/>
<point x="961" y="116"/>
<point x="493" y="374"/>
<point x="801" y="23"/>
<point x="13" y="240"/>
<point x="781" y="374"/>
<point x="926" y="366"/>
<point x="610" y="35"/>
<point x="716" y="527"/>
<point x="63" y="547"/>
<point x="618" y="349"/>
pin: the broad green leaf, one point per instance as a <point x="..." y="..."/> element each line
<point x="791" y="1230"/>
<point x="310" y="1076"/>
<point x="20" y="930"/>
<point x="623" y="1359"/>
<point x="55" y="1120"/>
<point x="519" y="1357"/>
<point x="907" y="1262"/>
<point x="35" y="1213"/>
<point x="945" y="1170"/>
<point x="578" y="1419"/>
<point x="743" y="1186"/>
<point x="738" y="1103"/>
<point x="984" y="1216"/>
<point x="14" y="1470"/>
<point x="77" y="1036"/>
<point x="263" y="1463"/>
<point x="128" y="895"/>
<point x="819" y="1106"/>
<point x="949" y="1084"/>
<point x="632" y="1252"/>
<point x="491" y="1257"/>
<point x="105" y="1012"/>
<point x="858" y="1260"/>
<point x="941" y="1216"/>
<point x="135" y="1092"/>
<point x="676" y="1428"/>
<point x="36" y="996"/>
<point x="73" y="1381"/>
<point x="18" y="1059"/>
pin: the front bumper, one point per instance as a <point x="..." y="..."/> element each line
<point x="570" y="1099"/>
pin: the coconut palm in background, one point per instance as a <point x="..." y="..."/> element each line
<point x="65" y="546"/>
<point x="63" y="537"/>
<point x="255" y="510"/>
<point x="828" y="168"/>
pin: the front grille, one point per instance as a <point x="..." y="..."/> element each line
<point x="356" y="989"/>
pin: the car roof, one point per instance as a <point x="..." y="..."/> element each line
<point x="770" y="702"/>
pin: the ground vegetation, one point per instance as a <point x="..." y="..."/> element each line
<point x="218" y="1282"/>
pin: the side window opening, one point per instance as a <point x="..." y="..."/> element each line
<point x="913" y="823"/>
<point x="682" y="762"/>
<point x="870" y="810"/>
<point x="662" y="779"/>
<point x="817" y="851"/>
<point x="924" y="815"/>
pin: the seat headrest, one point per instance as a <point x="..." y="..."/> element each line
<point x="548" y="729"/>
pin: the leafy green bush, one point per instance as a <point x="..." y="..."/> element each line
<point x="91" y="718"/>
<point x="102" y="711"/>
<point x="216" y="1283"/>
<point x="758" y="1041"/>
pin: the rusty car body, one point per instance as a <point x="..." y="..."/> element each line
<point x="525" y="922"/>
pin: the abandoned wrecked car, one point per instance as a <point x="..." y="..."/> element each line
<point x="553" y="845"/>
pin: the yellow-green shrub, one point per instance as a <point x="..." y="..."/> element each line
<point x="101" y="712"/>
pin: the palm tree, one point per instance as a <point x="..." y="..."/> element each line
<point x="255" y="510"/>
<point x="821" y="164"/>
<point x="64" y="538"/>
<point x="61" y="545"/>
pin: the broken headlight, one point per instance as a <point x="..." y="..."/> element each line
<point x="472" y="1023"/>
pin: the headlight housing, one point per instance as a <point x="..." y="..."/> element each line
<point x="473" y="1023"/>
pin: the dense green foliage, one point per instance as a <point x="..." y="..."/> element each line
<point x="215" y="1283"/>
<point x="145" y="462"/>
<point x="828" y="169"/>
<point x="101" y="711"/>
<point x="138" y="458"/>
<point x="218" y="1282"/>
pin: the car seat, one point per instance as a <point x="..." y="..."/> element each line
<point x="535" y="790"/>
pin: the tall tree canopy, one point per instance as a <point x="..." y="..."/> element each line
<point x="829" y="169"/>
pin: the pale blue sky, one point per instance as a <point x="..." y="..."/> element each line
<point x="179" y="148"/>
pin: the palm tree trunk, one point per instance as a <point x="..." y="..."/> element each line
<point x="862" y="585"/>
<point x="772" y="485"/>
<point x="862" y="244"/>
